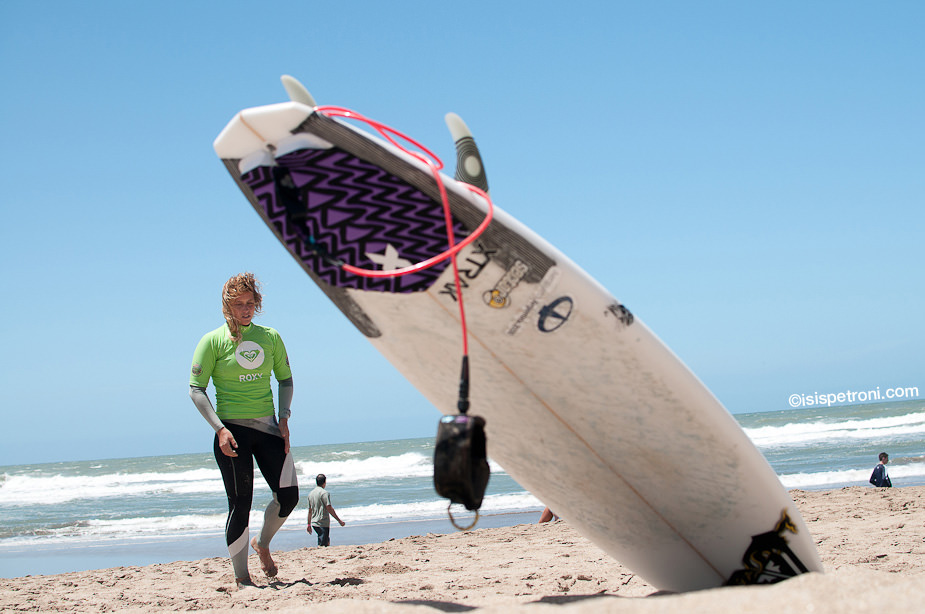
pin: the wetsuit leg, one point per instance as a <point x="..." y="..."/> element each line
<point x="238" y="476"/>
<point x="278" y="469"/>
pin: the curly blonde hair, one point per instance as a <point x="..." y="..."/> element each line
<point x="233" y="288"/>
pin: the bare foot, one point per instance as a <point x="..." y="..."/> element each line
<point x="241" y="583"/>
<point x="266" y="561"/>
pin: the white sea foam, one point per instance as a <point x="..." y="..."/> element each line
<point x="854" y="477"/>
<point x="801" y="433"/>
<point x="25" y="490"/>
<point x="407" y="465"/>
<point x="189" y="525"/>
<point x="157" y="527"/>
<point x="18" y="490"/>
<point x="436" y="508"/>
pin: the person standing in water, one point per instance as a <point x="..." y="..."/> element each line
<point x="239" y="357"/>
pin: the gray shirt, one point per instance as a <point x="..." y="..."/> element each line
<point x="318" y="502"/>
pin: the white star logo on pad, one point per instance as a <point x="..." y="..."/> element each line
<point x="390" y="260"/>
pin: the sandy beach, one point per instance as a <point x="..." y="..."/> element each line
<point x="871" y="541"/>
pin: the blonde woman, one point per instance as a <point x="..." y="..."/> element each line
<point x="239" y="358"/>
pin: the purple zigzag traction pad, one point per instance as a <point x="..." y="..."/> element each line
<point x="352" y="208"/>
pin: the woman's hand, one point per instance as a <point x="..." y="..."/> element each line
<point x="226" y="443"/>
<point x="284" y="431"/>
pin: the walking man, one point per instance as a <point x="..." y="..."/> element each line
<point x="320" y="511"/>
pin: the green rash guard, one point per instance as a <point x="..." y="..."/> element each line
<point x="241" y="371"/>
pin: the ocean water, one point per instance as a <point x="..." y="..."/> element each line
<point x="91" y="514"/>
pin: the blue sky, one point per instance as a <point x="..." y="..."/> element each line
<point x="746" y="177"/>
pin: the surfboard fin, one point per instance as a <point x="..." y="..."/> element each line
<point x="469" y="166"/>
<point x="297" y="91"/>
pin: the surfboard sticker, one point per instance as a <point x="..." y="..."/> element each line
<point x="546" y="285"/>
<point x="497" y="297"/>
<point x="769" y="558"/>
<point x="623" y="315"/>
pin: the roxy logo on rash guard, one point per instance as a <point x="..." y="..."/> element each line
<point x="249" y="355"/>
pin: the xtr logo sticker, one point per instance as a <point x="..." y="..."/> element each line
<point x="249" y="355"/>
<point x="555" y="314"/>
<point x="470" y="268"/>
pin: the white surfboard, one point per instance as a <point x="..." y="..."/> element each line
<point x="585" y="406"/>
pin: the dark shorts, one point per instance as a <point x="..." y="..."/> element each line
<point x="324" y="535"/>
